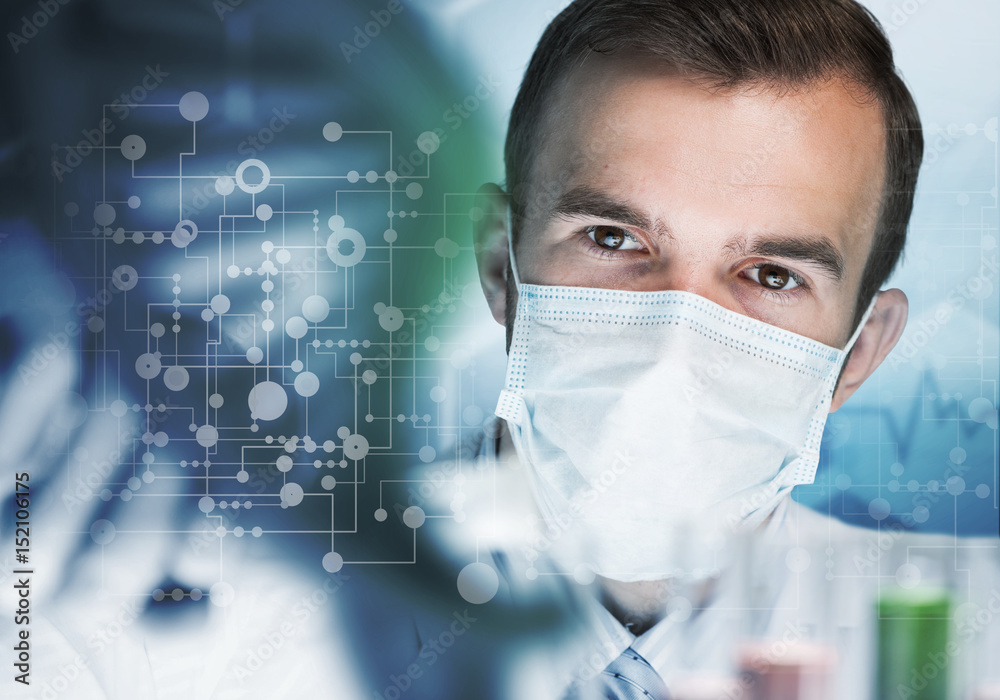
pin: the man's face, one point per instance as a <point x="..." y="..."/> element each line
<point x="762" y="202"/>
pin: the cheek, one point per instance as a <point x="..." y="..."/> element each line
<point x="830" y="326"/>
<point x="534" y="261"/>
<point x="546" y="257"/>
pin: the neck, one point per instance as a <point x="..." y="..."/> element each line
<point x="637" y="605"/>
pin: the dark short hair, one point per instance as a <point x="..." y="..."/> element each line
<point x="728" y="44"/>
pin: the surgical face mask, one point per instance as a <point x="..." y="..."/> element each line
<point x="656" y="423"/>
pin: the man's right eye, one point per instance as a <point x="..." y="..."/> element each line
<point x="613" y="238"/>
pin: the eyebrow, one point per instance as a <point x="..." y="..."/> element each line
<point x="816" y="251"/>
<point x="586" y="201"/>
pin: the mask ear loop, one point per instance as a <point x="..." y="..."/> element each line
<point x="861" y="325"/>
<point x="510" y="248"/>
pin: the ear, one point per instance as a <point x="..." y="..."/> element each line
<point x="876" y="341"/>
<point x="489" y="234"/>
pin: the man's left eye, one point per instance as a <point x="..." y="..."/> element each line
<point x="773" y="277"/>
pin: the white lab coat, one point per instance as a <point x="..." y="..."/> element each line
<point x="803" y="578"/>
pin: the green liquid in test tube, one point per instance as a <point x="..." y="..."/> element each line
<point x="913" y="659"/>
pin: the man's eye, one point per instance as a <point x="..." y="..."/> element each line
<point x="613" y="238"/>
<point x="773" y="277"/>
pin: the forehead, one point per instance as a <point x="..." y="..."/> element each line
<point x="630" y="126"/>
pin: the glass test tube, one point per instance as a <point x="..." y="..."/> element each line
<point x="912" y="639"/>
<point x="800" y="671"/>
<point x="788" y="653"/>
